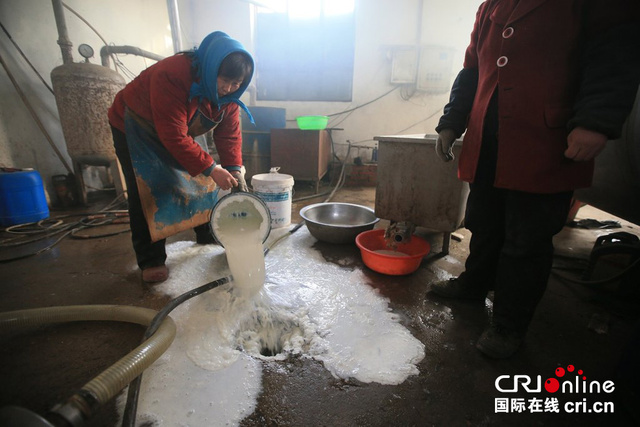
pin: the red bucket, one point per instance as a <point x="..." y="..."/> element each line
<point x="379" y="257"/>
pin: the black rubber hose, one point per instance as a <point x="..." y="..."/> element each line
<point x="131" y="409"/>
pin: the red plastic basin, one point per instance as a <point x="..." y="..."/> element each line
<point x="373" y="240"/>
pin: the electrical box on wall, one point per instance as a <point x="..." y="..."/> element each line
<point x="404" y="65"/>
<point x="435" y="69"/>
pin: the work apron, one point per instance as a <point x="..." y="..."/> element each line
<point x="172" y="200"/>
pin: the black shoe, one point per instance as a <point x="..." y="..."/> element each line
<point x="499" y="342"/>
<point x="456" y="288"/>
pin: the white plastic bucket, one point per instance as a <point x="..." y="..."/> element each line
<point x="275" y="189"/>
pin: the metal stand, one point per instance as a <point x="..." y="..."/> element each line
<point x="115" y="173"/>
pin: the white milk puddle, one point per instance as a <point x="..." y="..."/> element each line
<point x="211" y="375"/>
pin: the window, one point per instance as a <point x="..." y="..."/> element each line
<point x="304" y="50"/>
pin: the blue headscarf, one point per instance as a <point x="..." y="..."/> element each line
<point x="208" y="58"/>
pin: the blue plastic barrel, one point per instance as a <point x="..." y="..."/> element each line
<point x="22" y="198"/>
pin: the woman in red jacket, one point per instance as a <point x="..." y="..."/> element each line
<point x="171" y="180"/>
<point x="545" y="84"/>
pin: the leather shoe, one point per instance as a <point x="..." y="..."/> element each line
<point x="155" y="274"/>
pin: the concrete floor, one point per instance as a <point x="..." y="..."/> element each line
<point x="574" y="325"/>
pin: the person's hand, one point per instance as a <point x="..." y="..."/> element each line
<point x="223" y="178"/>
<point x="242" y="184"/>
<point x="584" y="144"/>
<point x="444" y="144"/>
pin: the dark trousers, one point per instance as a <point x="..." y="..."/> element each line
<point x="148" y="253"/>
<point x="511" y="247"/>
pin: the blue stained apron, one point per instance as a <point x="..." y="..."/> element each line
<point x="172" y="200"/>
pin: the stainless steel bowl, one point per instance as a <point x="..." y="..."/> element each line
<point x="338" y="222"/>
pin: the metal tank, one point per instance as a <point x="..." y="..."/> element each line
<point x="416" y="188"/>
<point x="84" y="92"/>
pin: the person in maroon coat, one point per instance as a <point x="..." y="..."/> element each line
<point x="171" y="179"/>
<point x="544" y="85"/>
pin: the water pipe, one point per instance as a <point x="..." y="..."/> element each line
<point x="106" y="51"/>
<point x="81" y="406"/>
<point x="174" y="22"/>
<point x="63" y="35"/>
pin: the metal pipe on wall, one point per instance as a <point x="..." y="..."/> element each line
<point x="106" y="51"/>
<point x="174" y="21"/>
<point x="420" y="16"/>
<point x="63" y="37"/>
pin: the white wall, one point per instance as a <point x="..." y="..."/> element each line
<point x="380" y="25"/>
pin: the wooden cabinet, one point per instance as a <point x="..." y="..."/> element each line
<point x="303" y="154"/>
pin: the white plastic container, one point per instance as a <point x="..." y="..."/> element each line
<point x="276" y="190"/>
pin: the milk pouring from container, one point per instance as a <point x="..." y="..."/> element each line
<point x="241" y="223"/>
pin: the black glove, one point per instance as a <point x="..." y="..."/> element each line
<point x="242" y="184"/>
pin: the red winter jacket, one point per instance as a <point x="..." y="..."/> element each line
<point x="160" y="95"/>
<point x="556" y="65"/>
